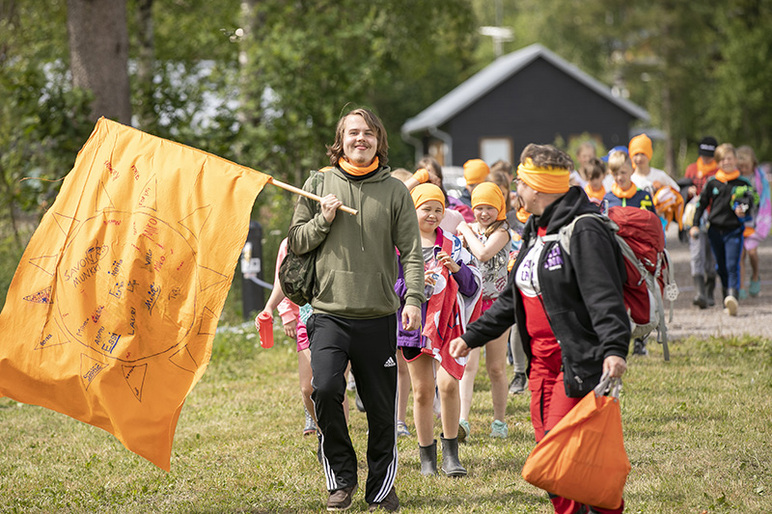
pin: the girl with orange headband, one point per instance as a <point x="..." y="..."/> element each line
<point x="453" y="291"/>
<point x="489" y="241"/>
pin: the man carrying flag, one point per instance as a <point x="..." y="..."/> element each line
<point x="355" y="304"/>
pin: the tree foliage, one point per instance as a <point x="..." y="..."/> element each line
<point x="310" y="61"/>
<point x="698" y="68"/>
<point x="265" y="86"/>
<point x="741" y="109"/>
<point x="305" y="63"/>
<point x="43" y="121"/>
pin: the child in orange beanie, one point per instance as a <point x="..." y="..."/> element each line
<point x="489" y="241"/>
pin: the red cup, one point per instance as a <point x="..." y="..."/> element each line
<point x="265" y="322"/>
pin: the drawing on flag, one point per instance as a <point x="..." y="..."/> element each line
<point x="112" y="311"/>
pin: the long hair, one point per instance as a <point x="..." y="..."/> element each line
<point x="490" y="229"/>
<point x="747" y="153"/>
<point x="335" y="152"/>
<point x="431" y="165"/>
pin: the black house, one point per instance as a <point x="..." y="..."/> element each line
<point x="528" y="96"/>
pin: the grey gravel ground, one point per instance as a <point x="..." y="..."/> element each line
<point x="754" y="316"/>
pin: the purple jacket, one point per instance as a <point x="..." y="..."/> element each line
<point x="467" y="286"/>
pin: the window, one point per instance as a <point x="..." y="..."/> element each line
<point x="493" y="149"/>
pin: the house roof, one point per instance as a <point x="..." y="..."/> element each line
<point x="497" y="72"/>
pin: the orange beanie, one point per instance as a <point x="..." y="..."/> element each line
<point x="475" y="171"/>
<point x="423" y="193"/>
<point x="641" y="144"/>
<point x="489" y="193"/>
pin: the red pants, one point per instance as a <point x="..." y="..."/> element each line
<point x="549" y="404"/>
<point x="564" y="506"/>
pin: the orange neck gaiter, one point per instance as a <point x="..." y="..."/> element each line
<point x="593" y="193"/>
<point x="356" y="170"/>
<point x="725" y="177"/>
<point x="626" y="193"/>
<point x="522" y="215"/>
<point x="704" y="169"/>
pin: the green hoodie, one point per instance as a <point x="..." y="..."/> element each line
<point x="356" y="261"/>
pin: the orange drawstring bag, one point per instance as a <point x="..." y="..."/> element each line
<point x="583" y="457"/>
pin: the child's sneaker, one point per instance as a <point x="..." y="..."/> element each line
<point x="402" y="430"/>
<point x="351" y="385"/>
<point x="499" y="429"/>
<point x="755" y="288"/>
<point x="310" y="427"/>
<point x="730" y="302"/>
<point x="463" y="430"/>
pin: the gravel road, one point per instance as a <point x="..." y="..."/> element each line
<point x="754" y="316"/>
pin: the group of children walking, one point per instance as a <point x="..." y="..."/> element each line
<point x="724" y="201"/>
<point x="468" y="247"/>
<point x="465" y="269"/>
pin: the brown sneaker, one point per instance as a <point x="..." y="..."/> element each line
<point x="340" y="499"/>
<point x="389" y="504"/>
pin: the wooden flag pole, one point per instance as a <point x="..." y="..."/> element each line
<point x="312" y="196"/>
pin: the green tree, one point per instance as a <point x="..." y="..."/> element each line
<point x="657" y="54"/>
<point x="43" y="120"/>
<point x="740" y="109"/>
<point x="310" y="61"/>
<point x="183" y="85"/>
<point x="306" y="63"/>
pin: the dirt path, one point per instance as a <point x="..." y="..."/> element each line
<point x="753" y="318"/>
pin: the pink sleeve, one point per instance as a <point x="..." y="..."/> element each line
<point x="287" y="310"/>
<point x="280" y="257"/>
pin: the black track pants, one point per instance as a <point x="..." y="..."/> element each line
<point x="370" y="345"/>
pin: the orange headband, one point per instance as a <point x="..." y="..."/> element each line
<point x="489" y="193"/>
<point x="544" y="180"/>
<point x="423" y="193"/>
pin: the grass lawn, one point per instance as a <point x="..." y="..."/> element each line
<point x="697" y="431"/>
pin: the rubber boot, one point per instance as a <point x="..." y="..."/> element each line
<point x="428" y="456"/>
<point x="730" y="302"/>
<point x="450" y="463"/>
<point x="710" y="287"/>
<point x="699" y="285"/>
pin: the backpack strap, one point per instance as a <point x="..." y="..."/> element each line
<point x="564" y="234"/>
<point x="318" y="180"/>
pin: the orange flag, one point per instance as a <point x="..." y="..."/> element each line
<point x="112" y="311"/>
